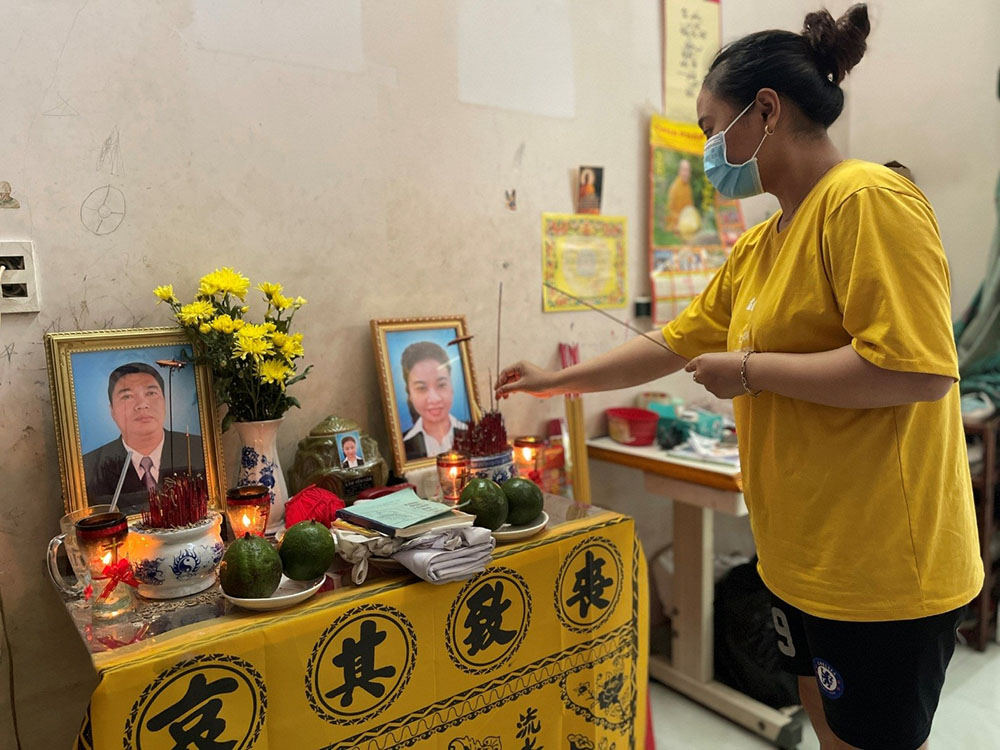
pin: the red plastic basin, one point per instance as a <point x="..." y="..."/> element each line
<point x="632" y="426"/>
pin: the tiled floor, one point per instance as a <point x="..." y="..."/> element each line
<point x="968" y="717"/>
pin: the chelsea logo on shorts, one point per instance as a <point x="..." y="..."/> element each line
<point x="830" y="681"/>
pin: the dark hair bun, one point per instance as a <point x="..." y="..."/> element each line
<point x="837" y="45"/>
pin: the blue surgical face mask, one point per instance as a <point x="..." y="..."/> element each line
<point x="732" y="180"/>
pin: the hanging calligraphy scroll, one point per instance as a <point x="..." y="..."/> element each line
<point x="691" y="39"/>
<point x="545" y="649"/>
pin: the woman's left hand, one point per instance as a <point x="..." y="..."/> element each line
<point x="719" y="373"/>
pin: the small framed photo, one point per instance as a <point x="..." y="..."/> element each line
<point x="428" y="385"/>
<point x="590" y="184"/>
<point x="349" y="449"/>
<point x="131" y="393"/>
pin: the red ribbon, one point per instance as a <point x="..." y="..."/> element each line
<point x="120" y="572"/>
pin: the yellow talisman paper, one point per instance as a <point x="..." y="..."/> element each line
<point x="545" y="649"/>
<point x="584" y="255"/>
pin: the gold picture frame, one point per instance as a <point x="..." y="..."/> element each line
<point x="391" y="339"/>
<point x="79" y="379"/>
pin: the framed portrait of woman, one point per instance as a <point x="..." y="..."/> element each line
<point x="130" y="410"/>
<point x="428" y="385"/>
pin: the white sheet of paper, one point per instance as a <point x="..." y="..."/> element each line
<point x="517" y="54"/>
<point x="323" y="33"/>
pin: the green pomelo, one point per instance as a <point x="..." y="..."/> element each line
<point x="250" y="569"/>
<point x="524" y="500"/>
<point x="486" y="502"/>
<point x="306" y="550"/>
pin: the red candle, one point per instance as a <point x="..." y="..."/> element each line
<point x="247" y="509"/>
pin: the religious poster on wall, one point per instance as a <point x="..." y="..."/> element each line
<point x="691" y="227"/>
<point x="585" y="256"/>
<point x="691" y="39"/>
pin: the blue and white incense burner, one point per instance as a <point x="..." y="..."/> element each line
<point x="169" y="563"/>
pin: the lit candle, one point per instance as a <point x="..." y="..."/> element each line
<point x="529" y="451"/>
<point x="247" y="509"/>
<point x="453" y="473"/>
<point x="101" y="539"/>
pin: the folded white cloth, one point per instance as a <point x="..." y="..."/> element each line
<point x="357" y="548"/>
<point x="447" y="555"/>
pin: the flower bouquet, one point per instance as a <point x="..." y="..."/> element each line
<point x="252" y="363"/>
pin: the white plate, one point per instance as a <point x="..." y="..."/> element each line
<point x="289" y="592"/>
<point x="508" y="533"/>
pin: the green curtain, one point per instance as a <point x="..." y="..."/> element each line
<point x="977" y="334"/>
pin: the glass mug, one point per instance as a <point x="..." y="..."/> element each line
<point x="67" y="524"/>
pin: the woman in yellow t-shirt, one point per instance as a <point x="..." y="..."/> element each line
<point x="830" y="327"/>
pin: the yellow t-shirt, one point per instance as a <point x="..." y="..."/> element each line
<point x="857" y="514"/>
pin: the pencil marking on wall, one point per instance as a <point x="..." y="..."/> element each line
<point x="110" y="157"/>
<point x="8" y="352"/>
<point x="63" y="109"/>
<point x="103" y="210"/>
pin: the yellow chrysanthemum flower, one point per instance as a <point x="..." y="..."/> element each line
<point x="274" y="371"/>
<point x="204" y="328"/>
<point x="244" y="309"/>
<point x="292" y="348"/>
<point x="224" y="281"/>
<point x="269" y="289"/>
<point x="195" y="312"/>
<point x="225" y="324"/>
<point x="299" y="301"/>
<point x="255" y="330"/>
<point x="279" y="339"/>
<point x="253" y="346"/>
<point x="281" y="302"/>
<point x="165" y="293"/>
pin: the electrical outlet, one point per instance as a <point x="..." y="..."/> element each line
<point x="18" y="284"/>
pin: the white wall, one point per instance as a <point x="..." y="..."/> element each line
<point x="346" y="167"/>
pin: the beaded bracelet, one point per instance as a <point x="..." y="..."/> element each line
<point x="743" y="375"/>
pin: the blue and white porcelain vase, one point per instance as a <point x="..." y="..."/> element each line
<point x="259" y="465"/>
<point x="499" y="467"/>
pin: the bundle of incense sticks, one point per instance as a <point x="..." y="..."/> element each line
<point x="180" y="500"/>
<point x="487" y="437"/>
<point x="569" y="355"/>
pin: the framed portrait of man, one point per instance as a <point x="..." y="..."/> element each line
<point x="428" y="385"/>
<point x="130" y="408"/>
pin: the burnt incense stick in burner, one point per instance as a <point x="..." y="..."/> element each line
<point x="499" y="313"/>
<point x="171" y="365"/>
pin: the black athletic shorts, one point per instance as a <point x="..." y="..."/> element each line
<point x="880" y="681"/>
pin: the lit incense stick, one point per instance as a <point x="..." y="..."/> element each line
<point x="608" y="315"/>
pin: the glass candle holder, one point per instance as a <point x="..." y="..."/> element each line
<point x="453" y="473"/>
<point x="529" y="455"/>
<point x="101" y="539"/>
<point x="247" y="509"/>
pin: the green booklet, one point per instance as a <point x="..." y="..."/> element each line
<point x="403" y="514"/>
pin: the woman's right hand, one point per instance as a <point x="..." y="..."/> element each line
<point x="527" y="378"/>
